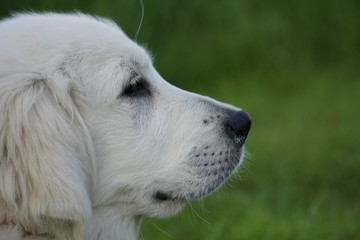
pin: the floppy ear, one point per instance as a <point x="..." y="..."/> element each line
<point x="45" y="150"/>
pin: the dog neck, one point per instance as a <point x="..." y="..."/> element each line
<point x="109" y="223"/>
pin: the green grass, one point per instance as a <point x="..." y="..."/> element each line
<point x="244" y="215"/>
<point x="302" y="179"/>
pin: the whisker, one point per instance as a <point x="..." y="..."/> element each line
<point x="141" y="19"/>
<point x="196" y="213"/>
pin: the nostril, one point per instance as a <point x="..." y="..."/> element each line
<point x="237" y="125"/>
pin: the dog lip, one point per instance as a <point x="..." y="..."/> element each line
<point x="160" y="196"/>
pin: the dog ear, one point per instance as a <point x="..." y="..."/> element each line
<point x="46" y="157"/>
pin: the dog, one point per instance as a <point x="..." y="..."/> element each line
<point x="92" y="137"/>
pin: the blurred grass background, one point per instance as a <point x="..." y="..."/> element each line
<point x="294" y="66"/>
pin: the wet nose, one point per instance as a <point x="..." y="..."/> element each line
<point x="237" y="126"/>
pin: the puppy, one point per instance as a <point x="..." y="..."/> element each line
<point x="92" y="138"/>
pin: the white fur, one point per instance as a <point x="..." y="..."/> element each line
<point x="79" y="159"/>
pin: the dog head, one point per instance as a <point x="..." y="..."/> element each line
<point x="86" y="117"/>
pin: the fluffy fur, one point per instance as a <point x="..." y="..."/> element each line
<point x="92" y="138"/>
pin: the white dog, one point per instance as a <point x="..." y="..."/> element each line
<point x="92" y="138"/>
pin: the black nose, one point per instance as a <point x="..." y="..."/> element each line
<point x="237" y="126"/>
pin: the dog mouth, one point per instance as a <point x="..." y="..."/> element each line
<point x="210" y="168"/>
<point x="160" y="196"/>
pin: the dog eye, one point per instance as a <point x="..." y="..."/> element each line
<point x="137" y="88"/>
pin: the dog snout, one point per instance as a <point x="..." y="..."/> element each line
<point x="237" y="126"/>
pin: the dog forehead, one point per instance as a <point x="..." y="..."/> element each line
<point x="114" y="43"/>
<point x="78" y="36"/>
<point x="90" y="48"/>
<point x="69" y="30"/>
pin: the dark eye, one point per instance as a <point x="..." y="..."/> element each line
<point x="137" y="88"/>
